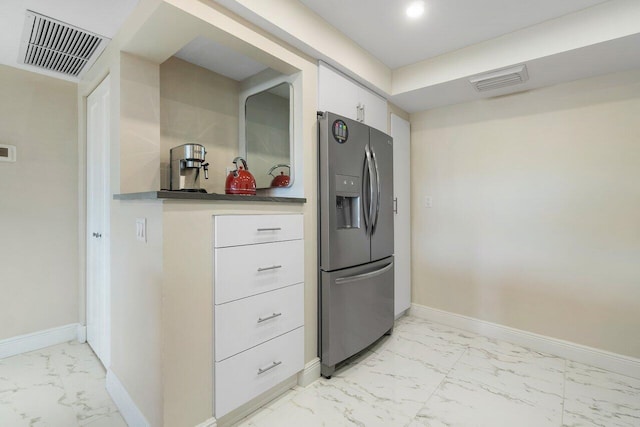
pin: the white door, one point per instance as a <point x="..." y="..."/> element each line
<point x="401" y="133"/>
<point x="98" y="201"/>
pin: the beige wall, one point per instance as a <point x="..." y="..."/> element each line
<point x="199" y="106"/>
<point x="535" y="218"/>
<point x="38" y="203"/>
<point x="139" y="143"/>
<point x="136" y="305"/>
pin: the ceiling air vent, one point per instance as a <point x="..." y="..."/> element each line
<point x="59" y="47"/>
<point x="500" y="78"/>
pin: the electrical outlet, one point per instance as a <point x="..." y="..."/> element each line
<point x="141" y="229"/>
<point x="428" y="202"/>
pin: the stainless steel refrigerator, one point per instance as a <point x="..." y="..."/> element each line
<point x="355" y="292"/>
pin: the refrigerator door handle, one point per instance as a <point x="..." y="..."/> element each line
<point x="368" y="175"/>
<point x="364" y="276"/>
<point x="374" y="222"/>
<point x="365" y="187"/>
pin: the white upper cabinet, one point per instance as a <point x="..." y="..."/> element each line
<point x="336" y="93"/>
<point x="374" y="110"/>
<point x="341" y="95"/>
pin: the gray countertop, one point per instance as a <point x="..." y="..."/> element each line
<point x="205" y="197"/>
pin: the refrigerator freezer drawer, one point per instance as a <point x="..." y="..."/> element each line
<point x="357" y="309"/>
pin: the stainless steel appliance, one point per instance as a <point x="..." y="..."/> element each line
<point x="185" y="163"/>
<point x="355" y="295"/>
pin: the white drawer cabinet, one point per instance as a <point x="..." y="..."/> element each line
<point x="258" y="305"/>
<point x="242" y="271"/>
<point x="252" y="372"/>
<point x="236" y="230"/>
<point x="257" y="319"/>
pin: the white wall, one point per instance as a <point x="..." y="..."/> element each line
<point x="536" y="211"/>
<point x="38" y="203"/>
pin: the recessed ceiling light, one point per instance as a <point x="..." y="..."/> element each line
<point x="415" y="9"/>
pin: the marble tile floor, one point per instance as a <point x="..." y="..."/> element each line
<point x="59" y="386"/>
<point x="427" y="374"/>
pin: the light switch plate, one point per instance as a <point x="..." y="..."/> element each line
<point x="141" y="229"/>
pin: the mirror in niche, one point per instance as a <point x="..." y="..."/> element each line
<point x="268" y="136"/>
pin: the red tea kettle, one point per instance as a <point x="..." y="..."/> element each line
<point x="281" y="180"/>
<point x="240" y="181"/>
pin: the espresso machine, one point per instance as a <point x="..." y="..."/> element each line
<point x="185" y="163"/>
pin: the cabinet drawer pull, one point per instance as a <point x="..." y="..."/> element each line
<point x="273" y="316"/>
<point x="270" y="229"/>
<point x="273" y="365"/>
<point x="273" y="267"/>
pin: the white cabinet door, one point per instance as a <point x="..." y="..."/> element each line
<point x="336" y="93"/>
<point x="341" y="95"/>
<point x="401" y="133"/>
<point x="98" y="203"/>
<point x="374" y="110"/>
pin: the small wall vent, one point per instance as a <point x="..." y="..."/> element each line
<point x="500" y="78"/>
<point x="59" y="47"/>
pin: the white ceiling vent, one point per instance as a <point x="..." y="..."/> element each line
<point x="58" y="47"/>
<point x="500" y="78"/>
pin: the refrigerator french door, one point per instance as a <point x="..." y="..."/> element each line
<point x="355" y="296"/>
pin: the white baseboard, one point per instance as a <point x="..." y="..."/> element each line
<point x="123" y="401"/>
<point x="402" y="313"/>
<point x="37" y="340"/>
<point x="613" y="362"/>
<point x="258" y="402"/>
<point x="211" y="422"/>
<point x="310" y="373"/>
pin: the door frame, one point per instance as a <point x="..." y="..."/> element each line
<point x="105" y="293"/>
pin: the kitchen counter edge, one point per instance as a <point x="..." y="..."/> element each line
<point x="205" y="197"/>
